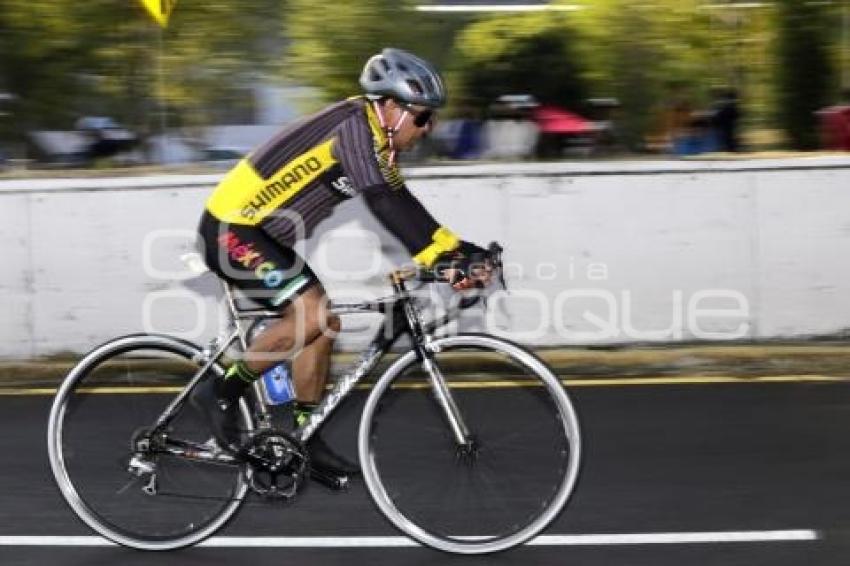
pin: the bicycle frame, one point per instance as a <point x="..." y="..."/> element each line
<point x="401" y="317"/>
<point x="274" y="463"/>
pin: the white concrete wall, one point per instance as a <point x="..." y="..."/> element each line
<point x="598" y="253"/>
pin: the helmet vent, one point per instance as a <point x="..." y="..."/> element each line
<point x="402" y="76"/>
<point x="415" y="86"/>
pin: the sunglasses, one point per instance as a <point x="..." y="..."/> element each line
<point x="421" y="118"/>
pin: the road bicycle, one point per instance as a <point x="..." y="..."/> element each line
<point x="468" y="443"/>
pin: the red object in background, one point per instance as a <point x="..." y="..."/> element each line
<point x="835" y="128"/>
<point x="554" y="120"/>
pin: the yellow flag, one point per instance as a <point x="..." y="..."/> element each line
<point x="160" y="10"/>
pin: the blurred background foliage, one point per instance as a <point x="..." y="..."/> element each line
<point x="327" y="44"/>
<point x="516" y="54"/>
<point x="805" y="69"/>
<point x="62" y="59"/>
<point x="647" y="55"/>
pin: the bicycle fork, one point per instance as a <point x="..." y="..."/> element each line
<point x="446" y="401"/>
<point x="421" y="343"/>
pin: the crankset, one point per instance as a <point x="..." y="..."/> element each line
<point x="276" y="464"/>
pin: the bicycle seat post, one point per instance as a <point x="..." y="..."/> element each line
<point x="233" y="313"/>
<point x="236" y="316"/>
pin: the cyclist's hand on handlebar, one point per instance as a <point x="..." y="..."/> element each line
<point x="479" y="276"/>
<point x="467" y="267"/>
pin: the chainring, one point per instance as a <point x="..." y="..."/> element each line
<point x="276" y="464"/>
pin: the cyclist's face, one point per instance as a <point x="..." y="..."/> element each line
<point x="409" y="132"/>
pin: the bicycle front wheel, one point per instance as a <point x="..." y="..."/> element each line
<point x="525" y="459"/>
<point x="145" y="497"/>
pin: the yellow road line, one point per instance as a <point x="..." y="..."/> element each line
<point x="485" y="384"/>
<point x="8" y="391"/>
<point x="701" y="380"/>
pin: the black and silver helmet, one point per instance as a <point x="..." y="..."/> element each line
<point x="404" y="77"/>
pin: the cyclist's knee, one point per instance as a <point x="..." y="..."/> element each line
<point x="323" y="325"/>
<point x="312" y="318"/>
<point x="333" y="326"/>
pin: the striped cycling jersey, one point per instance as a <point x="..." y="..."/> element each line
<point x="292" y="182"/>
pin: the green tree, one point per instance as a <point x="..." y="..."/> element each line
<point x="642" y="53"/>
<point x="804" y="68"/>
<point x="66" y="58"/>
<point x="328" y="46"/>
<point x="528" y="54"/>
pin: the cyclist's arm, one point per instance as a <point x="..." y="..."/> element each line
<point x="386" y="195"/>
<point x="404" y="216"/>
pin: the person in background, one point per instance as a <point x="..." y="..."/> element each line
<point x="725" y="119"/>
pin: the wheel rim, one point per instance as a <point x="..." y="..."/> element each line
<point x="388" y="501"/>
<point x="104" y="507"/>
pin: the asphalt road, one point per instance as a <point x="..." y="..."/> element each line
<point x="660" y="459"/>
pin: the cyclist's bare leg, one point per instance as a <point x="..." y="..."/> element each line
<point x="305" y="325"/>
<point x="310" y="367"/>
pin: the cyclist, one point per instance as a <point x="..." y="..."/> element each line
<point x="277" y="195"/>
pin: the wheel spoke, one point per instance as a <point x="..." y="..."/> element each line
<point x="522" y="472"/>
<point x="99" y="433"/>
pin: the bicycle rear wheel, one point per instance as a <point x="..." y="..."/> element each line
<point x="527" y="447"/>
<point x="110" y="401"/>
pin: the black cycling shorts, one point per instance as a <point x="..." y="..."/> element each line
<point x="253" y="262"/>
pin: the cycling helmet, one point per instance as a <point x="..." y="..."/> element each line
<point x="404" y="77"/>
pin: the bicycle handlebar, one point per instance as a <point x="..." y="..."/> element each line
<point x="436" y="275"/>
<point x="432" y="275"/>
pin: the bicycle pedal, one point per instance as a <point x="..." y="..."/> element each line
<point x="335" y="482"/>
<point x="152" y="487"/>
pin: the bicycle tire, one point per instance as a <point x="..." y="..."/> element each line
<point x="93" y="409"/>
<point x="405" y="447"/>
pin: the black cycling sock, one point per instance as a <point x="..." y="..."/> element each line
<point x="301" y="411"/>
<point x="237" y="379"/>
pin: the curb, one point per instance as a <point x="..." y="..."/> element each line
<point x="832" y="359"/>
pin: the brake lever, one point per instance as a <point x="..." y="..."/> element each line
<point x="494" y="253"/>
<point x="494" y="250"/>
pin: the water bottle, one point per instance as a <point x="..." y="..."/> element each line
<point x="277" y="382"/>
